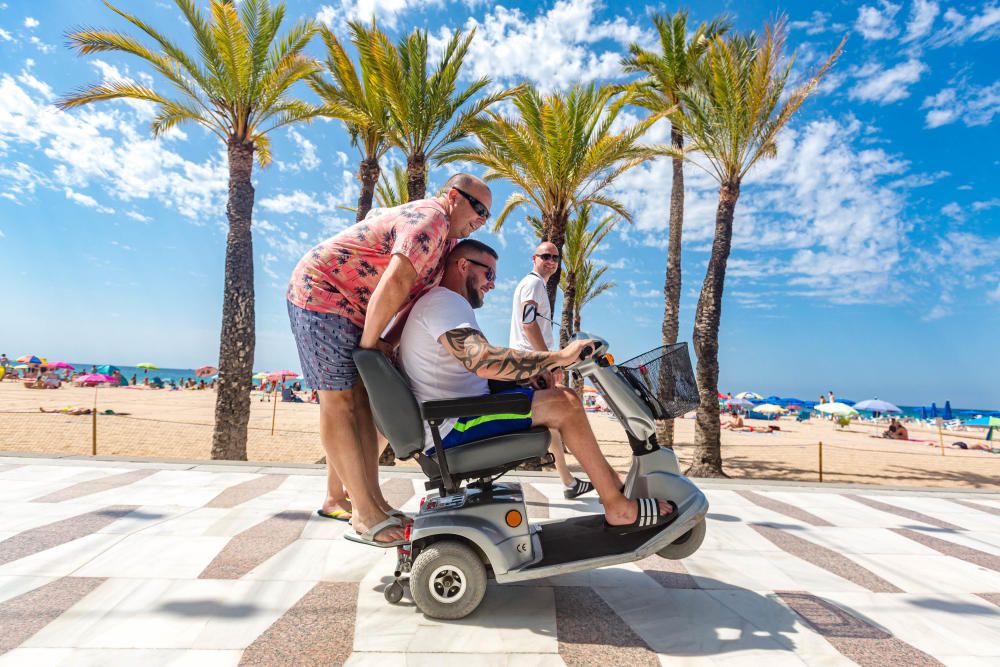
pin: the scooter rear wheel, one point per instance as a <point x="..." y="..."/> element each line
<point x="686" y="544"/>
<point x="447" y="580"/>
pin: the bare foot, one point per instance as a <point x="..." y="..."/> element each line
<point x="624" y="512"/>
<point x="332" y="504"/>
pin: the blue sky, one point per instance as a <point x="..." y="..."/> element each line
<point x="865" y="256"/>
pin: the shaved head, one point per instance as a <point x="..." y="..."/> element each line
<point x="546" y="247"/>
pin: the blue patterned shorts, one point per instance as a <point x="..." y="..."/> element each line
<point x="325" y="342"/>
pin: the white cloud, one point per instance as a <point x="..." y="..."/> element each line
<point x="817" y="24"/>
<point x="938" y="312"/>
<point x="135" y="215"/>
<point x="978" y="206"/>
<point x="6" y="36"/>
<point x="554" y="49"/>
<point x="877" y="22"/>
<point x="40" y="45"/>
<point x="959" y="28"/>
<point x="972" y="105"/>
<point x="640" y="290"/>
<point x="109" y="147"/>
<point x="87" y="200"/>
<point x="824" y="215"/>
<point x="386" y="12"/>
<point x="309" y="159"/>
<point x="30" y="22"/>
<point x="302" y="203"/>
<point x="954" y="211"/>
<point x="887" y="85"/>
<point x="922" y="15"/>
<point x="994" y="295"/>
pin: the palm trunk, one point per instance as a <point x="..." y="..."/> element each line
<point x="554" y="231"/>
<point x="368" y="174"/>
<point x="416" y="176"/>
<point x="569" y="307"/>
<point x="707" y="459"/>
<point x="672" y="280"/>
<point x="237" y="338"/>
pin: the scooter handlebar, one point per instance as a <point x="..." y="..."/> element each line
<point x="587" y="351"/>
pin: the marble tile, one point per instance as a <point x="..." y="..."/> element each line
<point x="76" y="657"/>
<point x="12" y="586"/>
<point x="94" y="487"/>
<point x="333" y="559"/>
<point x="412" y="659"/>
<point x="761" y="572"/>
<point x="172" y="614"/>
<point x="928" y="622"/>
<point x="154" y="556"/>
<point x="929" y="574"/>
<point x="23" y="616"/>
<point x="511" y="619"/>
<point x="65" y="559"/>
<point x="54" y="534"/>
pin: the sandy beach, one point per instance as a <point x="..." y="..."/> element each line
<point x="178" y="424"/>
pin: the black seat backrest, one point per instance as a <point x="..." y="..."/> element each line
<point x="394" y="408"/>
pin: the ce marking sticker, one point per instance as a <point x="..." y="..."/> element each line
<point x="522" y="547"/>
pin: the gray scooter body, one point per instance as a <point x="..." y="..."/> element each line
<point x="464" y="534"/>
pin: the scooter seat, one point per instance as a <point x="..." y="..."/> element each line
<point x="497" y="451"/>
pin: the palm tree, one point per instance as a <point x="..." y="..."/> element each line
<point x="581" y="241"/>
<point x="666" y="72"/>
<point x="391" y="190"/>
<point x="356" y="99"/>
<point x="237" y="89"/>
<point x="733" y="118"/>
<point x="589" y="287"/>
<point x="561" y="152"/>
<point x="424" y="106"/>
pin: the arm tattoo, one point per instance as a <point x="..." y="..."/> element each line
<point x="498" y="363"/>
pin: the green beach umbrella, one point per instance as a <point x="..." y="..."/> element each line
<point x="148" y="366"/>
<point x="836" y="408"/>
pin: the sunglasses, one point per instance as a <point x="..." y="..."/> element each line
<point x="491" y="274"/>
<point x="477" y="205"/>
<point x="547" y="257"/>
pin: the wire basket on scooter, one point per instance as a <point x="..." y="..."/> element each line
<point x="665" y="380"/>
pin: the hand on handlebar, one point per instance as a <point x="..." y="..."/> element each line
<point x="577" y="351"/>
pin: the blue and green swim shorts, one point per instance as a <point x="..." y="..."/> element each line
<point x="467" y="429"/>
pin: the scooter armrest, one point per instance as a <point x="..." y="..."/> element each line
<point x="472" y="406"/>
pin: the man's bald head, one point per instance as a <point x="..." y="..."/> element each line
<point x="468" y="201"/>
<point x="545" y="261"/>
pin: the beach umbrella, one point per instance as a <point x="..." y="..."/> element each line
<point x="983" y="421"/>
<point x="96" y="378"/>
<point x="22" y="367"/>
<point x="768" y="408"/>
<point x="148" y="366"/>
<point x="587" y="389"/>
<point x="281" y="376"/>
<point x="31" y="359"/>
<point x="923" y="412"/>
<point x="875" y="405"/>
<point x="108" y="369"/>
<point x="206" y="371"/>
<point x="722" y="396"/>
<point x="835" y="408"/>
<point x="62" y="364"/>
<point x="934" y="413"/>
<point x="738" y="403"/>
<point x="749" y="395"/>
<point x="946" y="414"/>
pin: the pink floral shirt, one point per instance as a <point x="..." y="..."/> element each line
<point x="339" y="275"/>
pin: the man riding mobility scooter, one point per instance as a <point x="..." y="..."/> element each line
<point x="465" y="534"/>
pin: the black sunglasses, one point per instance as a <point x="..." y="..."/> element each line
<point x="548" y="257"/>
<point x="477" y="205"/>
<point x="491" y="274"/>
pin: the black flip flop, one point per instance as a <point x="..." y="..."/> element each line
<point x="648" y="517"/>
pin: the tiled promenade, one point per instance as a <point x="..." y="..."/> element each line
<point x="183" y="564"/>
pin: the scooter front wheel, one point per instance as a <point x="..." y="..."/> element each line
<point x="448" y="580"/>
<point x="686" y="544"/>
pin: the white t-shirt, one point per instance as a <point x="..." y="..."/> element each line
<point x="531" y="288"/>
<point x="434" y="373"/>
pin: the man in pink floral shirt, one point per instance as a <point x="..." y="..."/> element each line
<point x="343" y="295"/>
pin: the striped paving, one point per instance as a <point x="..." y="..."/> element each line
<point x="255" y="545"/>
<point x="93" y="486"/>
<point x="246" y="491"/>
<point x="829" y="560"/>
<point x="977" y="506"/>
<point x="591" y="633"/>
<point x="317" y="630"/>
<point x="261" y="583"/>
<point x="26" y="614"/>
<point x="968" y="554"/>
<point x="903" y="512"/>
<point x="787" y="509"/>
<point x="860" y="641"/>
<point x="53" y="534"/>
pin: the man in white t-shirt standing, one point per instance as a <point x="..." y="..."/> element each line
<point x="537" y="335"/>
<point x="445" y="355"/>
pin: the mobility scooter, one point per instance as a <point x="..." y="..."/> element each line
<point x="472" y="527"/>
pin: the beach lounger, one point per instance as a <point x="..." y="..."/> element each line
<point x="803" y="415"/>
